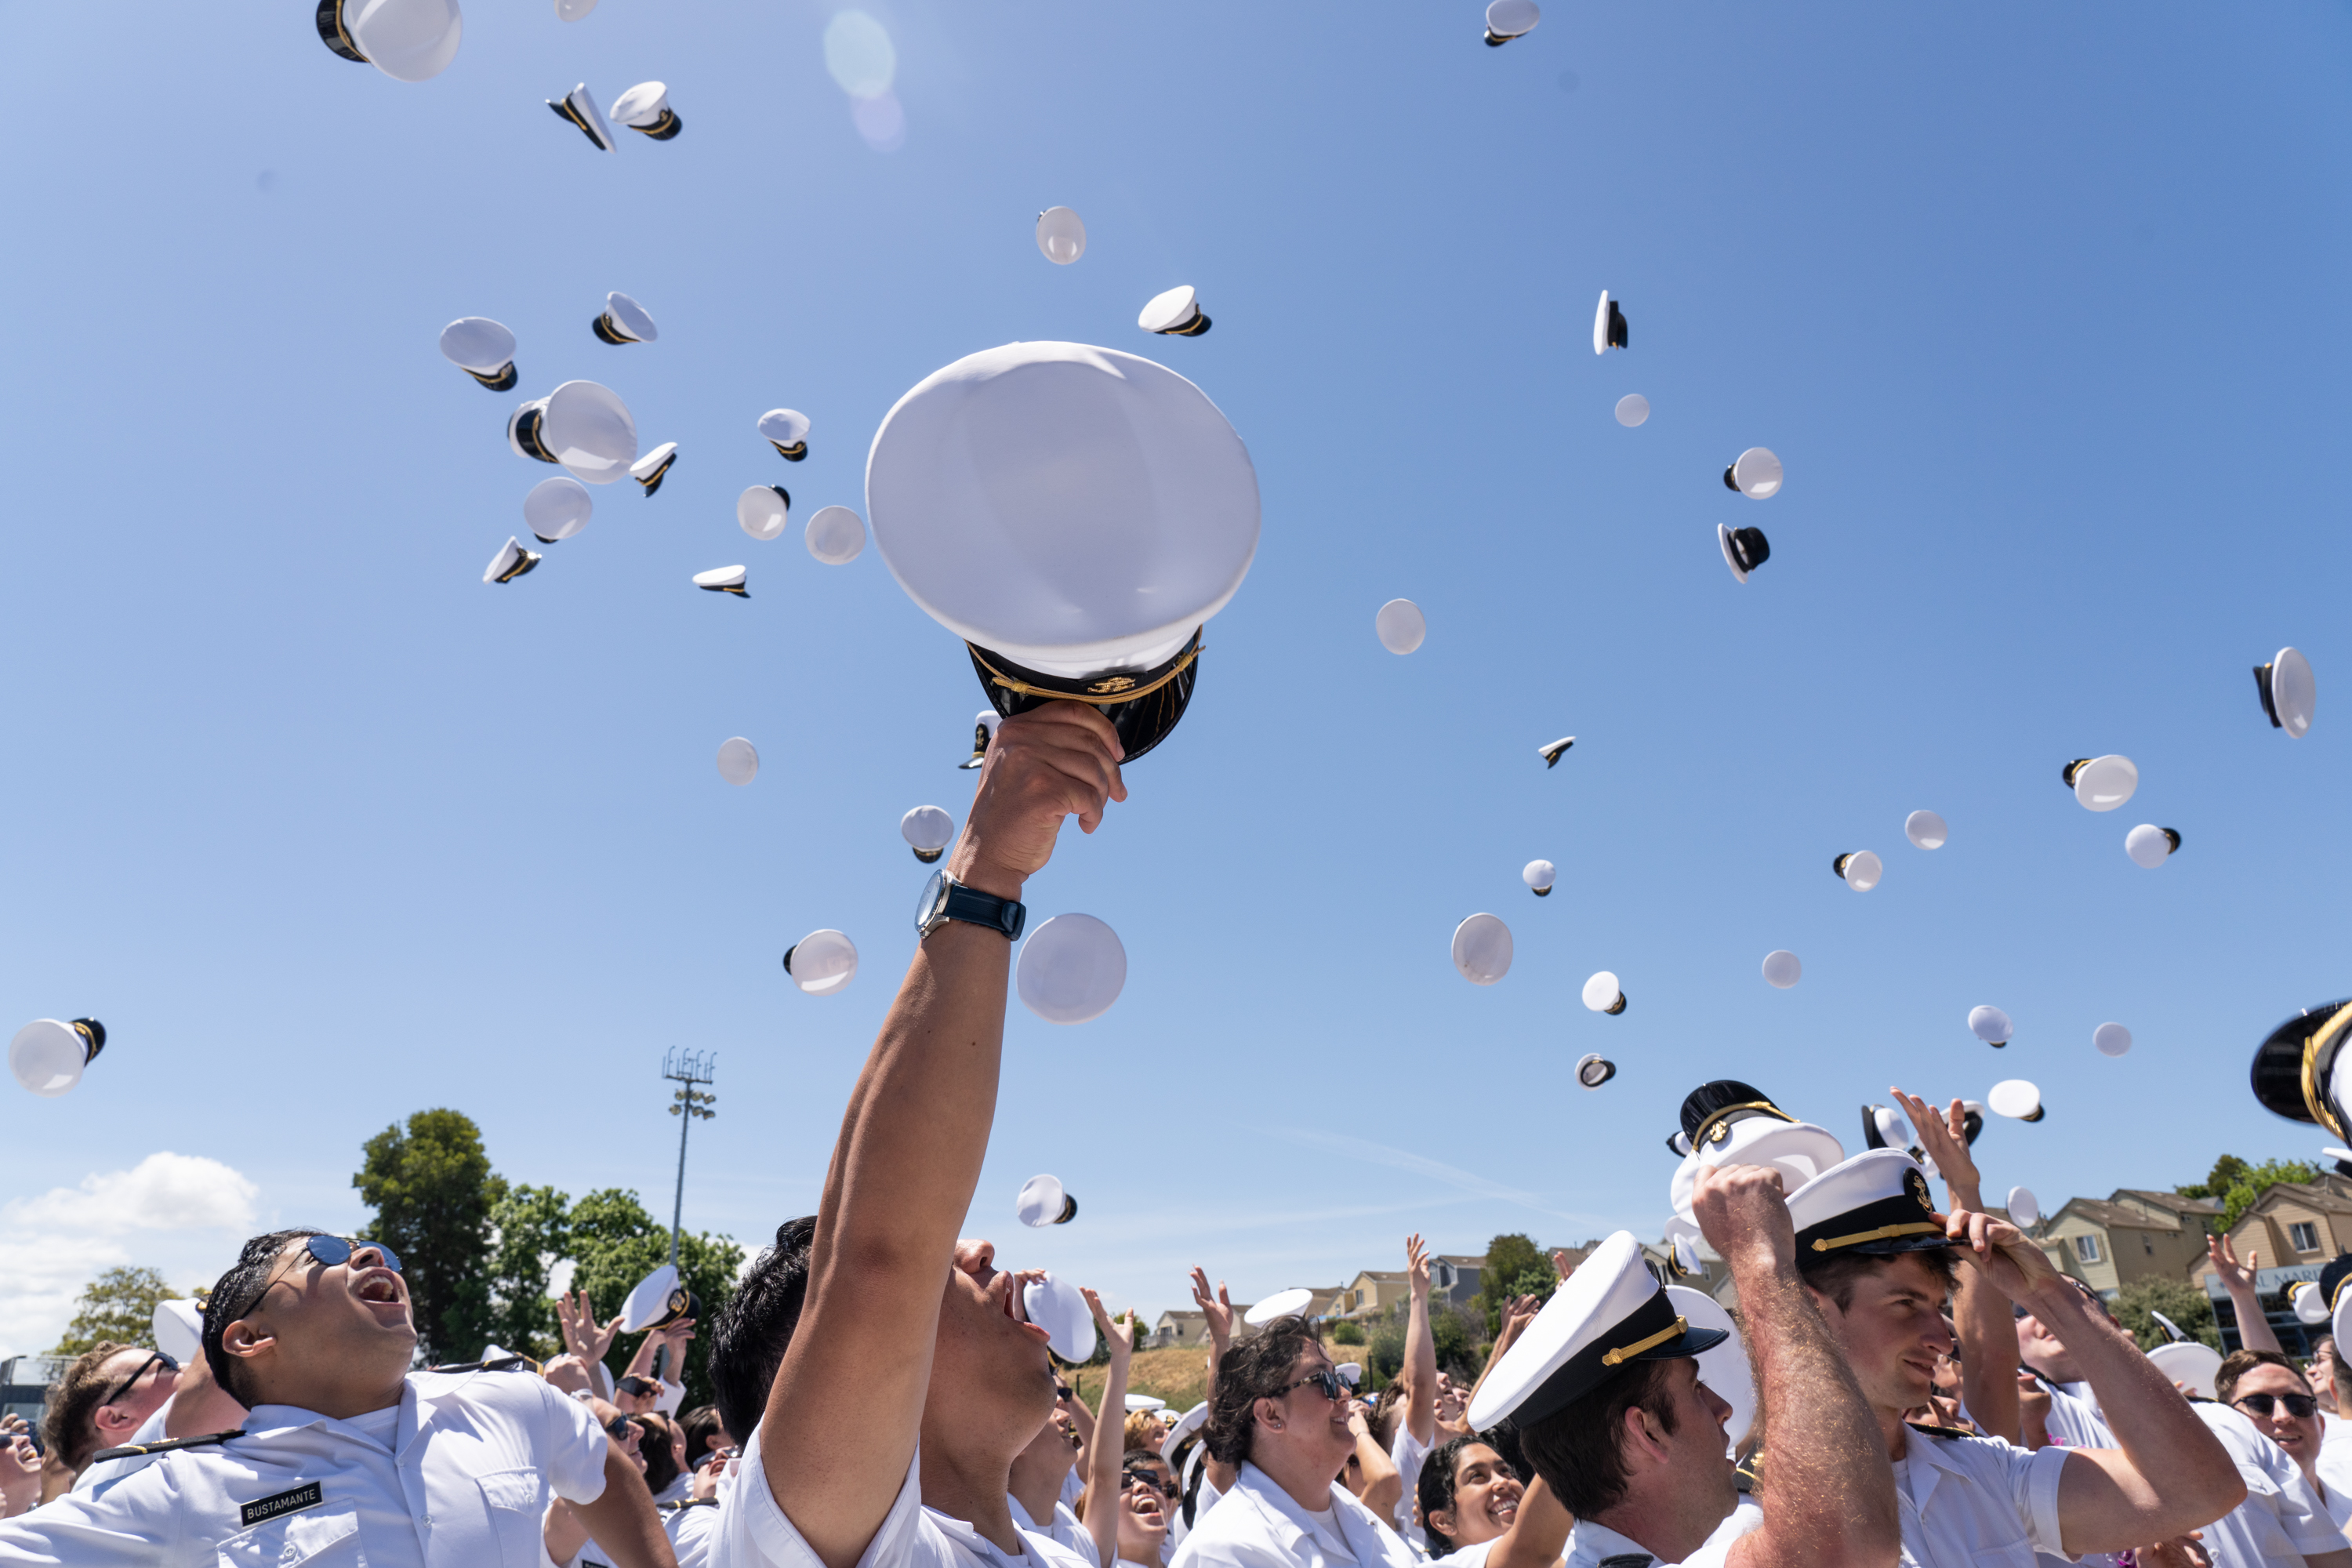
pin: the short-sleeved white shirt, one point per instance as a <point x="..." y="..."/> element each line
<point x="1258" y="1525"/>
<point x="755" y="1531"/>
<point x="1065" y="1527"/>
<point x="1977" y="1502"/>
<point x="2282" y="1515"/>
<point x="461" y="1479"/>
<point x="2074" y="1418"/>
<point x="1593" y="1542"/>
<point x="1408" y="1454"/>
<point x="2335" y="1465"/>
<point x="693" y="1531"/>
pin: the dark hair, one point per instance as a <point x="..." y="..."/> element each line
<point x="1577" y="1449"/>
<point x="653" y="1442"/>
<point x="1837" y="1275"/>
<point x="2237" y="1364"/>
<point x="235" y="1295"/>
<point x="1254" y="1369"/>
<point x="703" y="1429"/>
<point x="753" y="1331"/>
<point x="69" y="1427"/>
<point x="1436" y="1490"/>
<point x="1388" y="1408"/>
<point x="2339" y="1372"/>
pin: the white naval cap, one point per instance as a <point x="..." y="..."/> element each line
<point x="1860" y="869"/>
<point x="1042" y="1201"/>
<point x="1926" y="830"/>
<point x="1782" y="969"/>
<point x="1540" y="876"/>
<point x="1883" y="1127"/>
<point x="1726" y="1121"/>
<point x="48" y="1055"/>
<point x="1604" y="994"/>
<point x="645" y="107"/>
<point x="786" y="429"/>
<point x="2288" y="692"/>
<point x="1609" y="326"/>
<point x="984" y="728"/>
<point x="1281" y="1304"/>
<point x="1175" y="313"/>
<point x="836" y="535"/>
<point x="557" y="509"/>
<point x="483" y="348"/>
<point x="573" y="10"/>
<point x="1632" y="409"/>
<point x="1142" y="1404"/>
<point x="1991" y="1024"/>
<point x="1482" y="949"/>
<point x="1061" y="236"/>
<point x="2101" y="783"/>
<point x="179" y="1329"/>
<point x="822" y="962"/>
<point x="2024" y="1208"/>
<point x="927" y="831"/>
<point x="1508" y="20"/>
<point x="763" y="511"/>
<point x="582" y="426"/>
<point x="2016" y="1097"/>
<point x="1610" y="1312"/>
<point x="1400" y="625"/>
<point x="1875" y="1204"/>
<point x="1552" y="753"/>
<point x="1351" y="1372"/>
<point x="2111" y="1039"/>
<point x="407" y="40"/>
<point x="1743" y="549"/>
<point x="1055" y="1305"/>
<point x="579" y="107"/>
<point x="2303" y="1072"/>
<point x="1723" y="1368"/>
<point x="510" y="562"/>
<point x="2190" y="1361"/>
<point x="653" y="467"/>
<point x="624" y="320"/>
<point x="1755" y="473"/>
<point x="1193" y="1421"/>
<point x="1593" y="1069"/>
<point x="739" y="761"/>
<point x="2150" y="846"/>
<point x="659" y="1300"/>
<point x="723" y="580"/>
<point x="1071" y="969"/>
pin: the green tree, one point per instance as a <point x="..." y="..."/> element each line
<point x="1384" y="1348"/>
<point x="433" y="1189"/>
<point x="2235" y="1185"/>
<point x="1516" y="1267"/>
<point x="119" y="1305"/>
<point x="1347" y="1332"/>
<point x="2227" y="1171"/>
<point x="2184" y="1303"/>
<point x="616" y="1243"/>
<point x="530" y="1230"/>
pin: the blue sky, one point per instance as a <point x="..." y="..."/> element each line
<point x="2041" y="308"/>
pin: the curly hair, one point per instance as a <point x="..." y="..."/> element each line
<point x="1254" y="1369"/>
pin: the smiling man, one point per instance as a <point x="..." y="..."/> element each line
<point x="343" y="1449"/>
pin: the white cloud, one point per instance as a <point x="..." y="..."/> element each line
<point x="51" y="1245"/>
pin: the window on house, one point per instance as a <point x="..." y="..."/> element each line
<point x="2148" y="1244"/>
<point x="2304" y="1235"/>
<point x="2087" y="1248"/>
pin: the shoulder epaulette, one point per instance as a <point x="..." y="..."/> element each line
<point x="135" y="1450"/>
<point x="1748" y="1469"/>
<point x="690" y="1502"/>
<point x="503" y="1363"/>
<point x="1934" y="1431"/>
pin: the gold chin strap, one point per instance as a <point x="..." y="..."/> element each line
<point x="2312" y="1100"/>
<point x="1627" y="1353"/>
<point x="1884" y="1233"/>
<point x="1124" y="688"/>
<point x="1709" y="1125"/>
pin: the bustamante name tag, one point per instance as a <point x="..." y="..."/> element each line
<point x="270" y="1508"/>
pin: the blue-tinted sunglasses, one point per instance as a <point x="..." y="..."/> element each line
<point x="332" y="1250"/>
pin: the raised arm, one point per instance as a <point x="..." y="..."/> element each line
<point x="1104" y="1459"/>
<point x="1383" y="1482"/>
<point x="2254" y="1331"/>
<point x="1420" y="1347"/>
<point x="1516" y="1316"/>
<point x="1981" y="1317"/>
<point x="2171" y="1475"/>
<point x="622" y="1517"/>
<point x="1217" y="1313"/>
<point x="1831" y="1501"/>
<point x="840" y="1428"/>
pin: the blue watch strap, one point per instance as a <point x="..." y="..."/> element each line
<point x="976" y="908"/>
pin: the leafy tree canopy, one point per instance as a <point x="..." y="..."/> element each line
<point x="433" y="1189"/>
<point x="614" y="1242"/>
<point x="119" y="1305"/>
<point x="2184" y="1303"/>
<point x="2235" y="1185"/>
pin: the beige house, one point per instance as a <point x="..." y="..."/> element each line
<point x="2294" y="1225"/>
<point x="2132" y="1235"/>
<point x="1374" y="1291"/>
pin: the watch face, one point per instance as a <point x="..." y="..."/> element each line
<point x="931" y="909"/>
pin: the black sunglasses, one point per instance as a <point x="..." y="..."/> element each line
<point x="635" y="1387"/>
<point x="1326" y="1379"/>
<point x="2299" y="1405"/>
<point x="172" y="1366"/>
<point x="619" y="1428"/>
<point x="1148" y="1483"/>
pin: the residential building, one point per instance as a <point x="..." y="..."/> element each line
<point x="2133" y="1234"/>
<point x="2292" y="1231"/>
<point x="1454" y="1279"/>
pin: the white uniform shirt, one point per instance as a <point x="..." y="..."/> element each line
<point x="755" y="1533"/>
<point x="1592" y="1543"/>
<point x="460" y="1478"/>
<point x="2282" y="1519"/>
<point x="1408" y="1453"/>
<point x="1975" y="1502"/>
<point x="1063" y="1527"/>
<point x="1466" y="1556"/>
<point x="2335" y="1465"/>
<point x="2074" y="1418"/>
<point x="693" y="1531"/>
<point x="150" y="1431"/>
<point x="1257" y="1525"/>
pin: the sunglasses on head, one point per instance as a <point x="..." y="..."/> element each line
<point x="169" y="1365"/>
<point x="2299" y="1405"/>
<point x="1325" y="1379"/>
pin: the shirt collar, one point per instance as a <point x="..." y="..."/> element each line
<point x="1270" y="1496"/>
<point x="293" y="1418"/>
<point x="1594" y="1540"/>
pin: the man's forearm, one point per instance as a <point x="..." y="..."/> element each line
<point x="1988" y="1334"/>
<point x="623" y="1520"/>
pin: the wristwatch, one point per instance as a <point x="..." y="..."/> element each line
<point x="945" y="899"/>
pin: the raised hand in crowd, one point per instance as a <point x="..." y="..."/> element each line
<point x="1516" y="1315"/>
<point x="1100" y="1505"/>
<point x="575" y="1317"/>
<point x="568" y="1373"/>
<point x="2254" y="1331"/>
<point x="20" y="1467"/>
<point x="1216" y="1316"/>
<point x="1981" y="1317"/>
<point x="1369" y="1472"/>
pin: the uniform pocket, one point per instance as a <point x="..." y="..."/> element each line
<point x="323" y="1537"/>
<point x="517" y="1506"/>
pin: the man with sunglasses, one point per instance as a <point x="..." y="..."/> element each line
<point x="104" y="1397"/>
<point x="344" y="1450"/>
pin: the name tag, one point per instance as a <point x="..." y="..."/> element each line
<point x="270" y="1508"/>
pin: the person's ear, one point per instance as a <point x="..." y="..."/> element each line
<point x="248" y="1340"/>
<point x="1268" y="1413"/>
<point x="1442" y="1521"/>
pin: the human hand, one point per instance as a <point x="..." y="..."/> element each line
<point x="1416" y="1267"/>
<point x="2180" y="1552"/>
<point x="1516" y="1316"/>
<point x="20" y="1474"/>
<point x="2238" y="1279"/>
<point x="568" y="1373"/>
<point x="1042" y="765"/>
<point x="581" y="1336"/>
<point x="706" y="1479"/>
<point x="1217" y="1310"/>
<point x="1743" y="1212"/>
<point x="1943" y="1138"/>
<point x="1562" y="1264"/>
<point x="2005" y="1260"/>
<point x="1120" y="1340"/>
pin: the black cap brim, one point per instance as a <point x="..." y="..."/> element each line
<point x="1142" y="721"/>
<point x="2277" y="1072"/>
